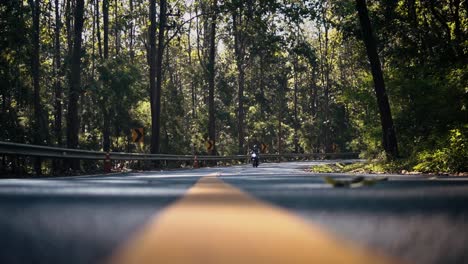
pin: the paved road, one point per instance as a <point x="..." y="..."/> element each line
<point x="93" y="219"/>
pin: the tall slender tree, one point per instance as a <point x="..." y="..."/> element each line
<point x="132" y="32"/>
<point x="295" y="103"/>
<point x="211" y="77"/>
<point x="152" y="76"/>
<point x="39" y="125"/>
<point x="240" y="52"/>
<point x="155" y="68"/>
<point x="73" y="122"/>
<point x="98" y="27"/>
<point x="116" y="27"/>
<point x="58" y="73"/>
<point x="105" y="17"/>
<point x="325" y="72"/>
<point x="69" y="29"/>
<point x="388" y="131"/>
<point x="105" y="108"/>
<point x="58" y="76"/>
<point x="156" y="91"/>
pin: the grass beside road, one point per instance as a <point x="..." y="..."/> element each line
<point x="359" y="167"/>
<point x="375" y="167"/>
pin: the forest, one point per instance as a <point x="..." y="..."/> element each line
<point x="386" y="78"/>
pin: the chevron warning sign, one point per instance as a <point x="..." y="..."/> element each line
<point x="137" y="135"/>
<point x="209" y="145"/>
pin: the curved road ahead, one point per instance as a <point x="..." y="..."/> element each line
<point x="276" y="213"/>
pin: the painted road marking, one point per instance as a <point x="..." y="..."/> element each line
<point x="217" y="223"/>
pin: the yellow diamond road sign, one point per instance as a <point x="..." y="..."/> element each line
<point x="209" y="144"/>
<point x="263" y="147"/>
<point x="137" y="135"/>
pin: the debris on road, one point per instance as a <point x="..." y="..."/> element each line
<point x="355" y="182"/>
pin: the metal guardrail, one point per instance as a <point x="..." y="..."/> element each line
<point x="10" y="148"/>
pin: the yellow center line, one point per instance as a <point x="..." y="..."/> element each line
<point x="217" y="223"/>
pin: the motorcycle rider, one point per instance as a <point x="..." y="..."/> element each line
<point x="255" y="149"/>
<point x="254" y="157"/>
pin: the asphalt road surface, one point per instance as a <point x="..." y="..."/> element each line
<point x="273" y="213"/>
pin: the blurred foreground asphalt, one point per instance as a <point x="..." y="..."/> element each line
<point x="84" y="219"/>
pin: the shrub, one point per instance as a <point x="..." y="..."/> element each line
<point x="452" y="158"/>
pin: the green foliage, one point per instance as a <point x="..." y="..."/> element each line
<point x="303" y="58"/>
<point x="326" y="168"/>
<point x="371" y="166"/>
<point x="452" y="157"/>
<point x="15" y="85"/>
<point x="420" y="113"/>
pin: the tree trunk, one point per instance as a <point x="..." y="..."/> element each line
<point x="326" y="82"/>
<point x="98" y="28"/>
<point x="35" y="6"/>
<point x="296" y="119"/>
<point x="389" y="138"/>
<point x="132" y="28"/>
<point x="156" y="57"/>
<point x="39" y="126"/>
<point x="262" y="85"/>
<point x="283" y="86"/>
<point x="239" y="51"/>
<point x="313" y="107"/>
<point x="152" y="71"/>
<point x="105" y="14"/>
<point x="240" y="117"/>
<point x="159" y="73"/>
<point x="57" y="84"/>
<point x="189" y="54"/>
<point x="75" y="82"/>
<point x="106" y="122"/>
<point x="280" y="131"/>
<point x="93" y="45"/>
<point x="316" y="144"/>
<point x="116" y="27"/>
<point x="69" y="29"/>
<point x="211" y="79"/>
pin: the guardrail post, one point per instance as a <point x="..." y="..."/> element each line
<point x="195" y="162"/>
<point x="107" y="163"/>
